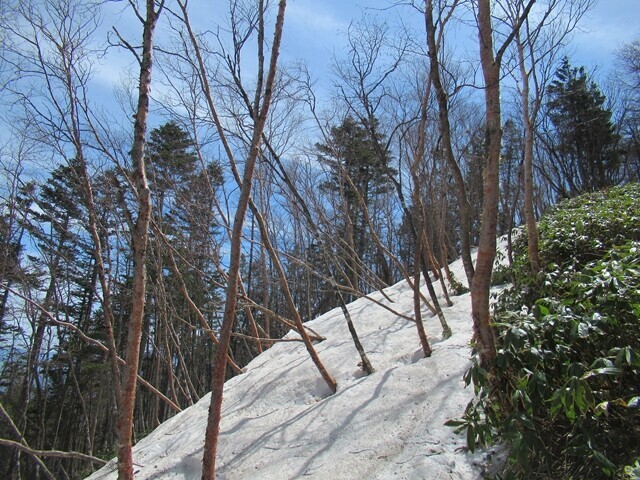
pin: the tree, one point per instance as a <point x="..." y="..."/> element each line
<point x="491" y="61"/>
<point x="435" y="33"/>
<point x="629" y="80"/>
<point x="263" y="100"/>
<point x="139" y="236"/>
<point x="581" y="140"/>
<point x="537" y="46"/>
<point x="183" y="264"/>
<point x="357" y="175"/>
<point x="510" y="179"/>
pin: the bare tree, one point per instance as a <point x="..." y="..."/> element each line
<point x="538" y="45"/>
<point x="366" y="86"/>
<point x="491" y="61"/>
<point x="215" y="409"/>
<point x="628" y="57"/>
<point x="435" y="33"/>
<point x="139" y="240"/>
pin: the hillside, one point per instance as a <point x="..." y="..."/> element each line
<point x="280" y="421"/>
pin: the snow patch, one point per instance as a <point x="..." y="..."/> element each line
<point x="280" y="420"/>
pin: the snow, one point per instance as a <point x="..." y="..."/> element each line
<point x="280" y="420"/>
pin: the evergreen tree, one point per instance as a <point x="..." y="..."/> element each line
<point x="183" y="197"/>
<point x="350" y="153"/>
<point x="357" y="176"/>
<point x="584" y="143"/>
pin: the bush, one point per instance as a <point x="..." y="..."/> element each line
<point x="583" y="229"/>
<point x="565" y="393"/>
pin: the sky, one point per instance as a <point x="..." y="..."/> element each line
<point x="315" y="29"/>
<point x="315" y="34"/>
<point x="608" y="25"/>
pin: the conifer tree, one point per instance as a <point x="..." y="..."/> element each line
<point x="357" y="175"/>
<point x="583" y="141"/>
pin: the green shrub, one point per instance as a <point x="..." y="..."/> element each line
<point x="565" y="393"/>
<point x="583" y="229"/>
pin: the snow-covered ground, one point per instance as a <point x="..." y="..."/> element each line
<point x="281" y="422"/>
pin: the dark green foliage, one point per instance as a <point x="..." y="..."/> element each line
<point x="359" y="175"/>
<point x="565" y="394"/>
<point x="583" y="141"/>
<point x="582" y="229"/>
<point x="351" y="153"/>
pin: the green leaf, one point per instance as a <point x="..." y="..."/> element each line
<point x="602" y="371"/>
<point x="583" y="330"/>
<point x="634" y="402"/>
<point x="454" y="423"/>
<point x="544" y="311"/>
<point x="471" y="439"/>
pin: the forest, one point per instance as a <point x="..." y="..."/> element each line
<point x="159" y="233"/>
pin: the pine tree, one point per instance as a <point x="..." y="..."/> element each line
<point x="357" y="176"/>
<point x="584" y="142"/>
<point x="183" y="193"/>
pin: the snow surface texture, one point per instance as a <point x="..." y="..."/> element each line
<point x="280" y="420"/>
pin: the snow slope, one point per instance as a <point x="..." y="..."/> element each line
<point x="280" y="421"/>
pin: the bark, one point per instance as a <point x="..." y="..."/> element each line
<point x="418" y="225"/>
<point x="481" y="284"/>
<point x="417" y="306"/>
<point x="529" y="212"/>
<point x="445" y="132"/>
<point x="124" y="424"/>
<point x="220" y="363"/>
<point x="487" y="239"/>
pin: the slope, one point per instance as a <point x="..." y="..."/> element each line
<point x="280" y="421"/>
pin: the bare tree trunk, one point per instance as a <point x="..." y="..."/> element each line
<point x="541" y="41"/>
<point x="417" y="304"/>
<point x="124" y="424"/>
<point x="445" y="133"/>
<point x="487" y="244"/>
<point x="481" y="284"/>
<point x="215" y="409"/>
<point x="529" y="213"/>
<point x="418" y="224"/>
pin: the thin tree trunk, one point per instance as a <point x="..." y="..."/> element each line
<point x="529" y="213"/>
<point x="445" y="133"/>
<point x="215" y="409"/>
<point x="124" y="424"/>
<point x="417" y="304"/>
<point x="419" y="224"/>
<point x="487" y="241"/>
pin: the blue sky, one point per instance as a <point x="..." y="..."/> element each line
<point x="315" y="31"/>
<point x="315" y="28"/>
<point x="608" y="25"/>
